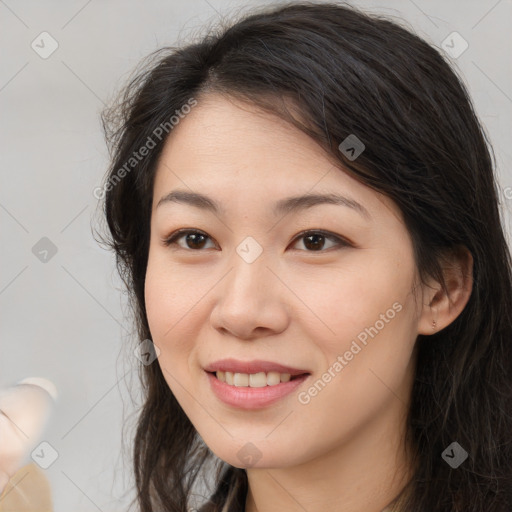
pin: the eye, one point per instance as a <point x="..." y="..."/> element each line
<point x="194" y="239"/>
<point x="313" y="241"/>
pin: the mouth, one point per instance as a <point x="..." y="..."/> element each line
<point x="253" y="384"/>
<point x="254" y="374"/>
<point x="255" y="380"/>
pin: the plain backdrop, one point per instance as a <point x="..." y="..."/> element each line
<point x="63" y="313"/>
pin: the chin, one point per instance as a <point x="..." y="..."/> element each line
<point x="246" y="454"/>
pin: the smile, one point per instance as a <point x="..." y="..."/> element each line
<point x="253" y="380"/>
<point x="240" y="395"/>
<point x="252" y="384"/>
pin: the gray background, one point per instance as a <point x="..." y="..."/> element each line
<point x="66" y="319"/>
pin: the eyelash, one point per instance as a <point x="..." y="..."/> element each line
<point x="174" y="237"/>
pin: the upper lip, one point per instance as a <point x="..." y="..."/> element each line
<point x="254" y="366"/>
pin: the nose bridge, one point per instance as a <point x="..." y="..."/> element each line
<point x="250" y="296"/>
<point x="249" y="275"/>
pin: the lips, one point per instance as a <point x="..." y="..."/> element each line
<point x="253" y="398"/>
<point x="252" y="367"/>
<point x="242" y="384"/>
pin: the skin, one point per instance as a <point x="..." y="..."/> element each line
<point x="24" y="412"/>
<point x="295" y="305"/>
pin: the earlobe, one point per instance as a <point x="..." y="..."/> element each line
<point x="441" y="306"/>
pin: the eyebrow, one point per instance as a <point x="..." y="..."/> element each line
<point x="281" y="207"/>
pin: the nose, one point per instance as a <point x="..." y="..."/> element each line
<point x="250" y="301"/>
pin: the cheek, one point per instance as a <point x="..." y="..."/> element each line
<point x="160" y="297"/>
<point x="371" y="293"/>
<point x="169" y="309"/>
<point x="370" y="353"/>
<point x="169" y="296"/>
<point x="164" y="308"/>
<point x="366" y="367"/>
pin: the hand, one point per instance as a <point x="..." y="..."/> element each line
<point x="24" y="412"/>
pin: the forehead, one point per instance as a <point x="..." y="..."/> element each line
<point x="233" y="150"/>
<point x="222" y="128"/>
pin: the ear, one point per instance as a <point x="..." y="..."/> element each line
<point x="442" y="306"/>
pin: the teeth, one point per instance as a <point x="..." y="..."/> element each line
<point x="241" y="379"/>
<point x="257" y="380"/>
<point x="253" y="380"/>
<point x="273" y="378"/>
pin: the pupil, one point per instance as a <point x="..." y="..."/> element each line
<point x="194" y="237"/>
<point x="318" y="241"/>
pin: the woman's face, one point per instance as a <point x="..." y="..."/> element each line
<point x="324" y="288"/>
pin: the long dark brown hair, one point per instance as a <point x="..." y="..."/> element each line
<point x="344" y="72"/>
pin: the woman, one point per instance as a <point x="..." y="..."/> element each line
<point x="304" y="210"/>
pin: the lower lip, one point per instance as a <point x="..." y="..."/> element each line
<point x="253" y="398"/>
